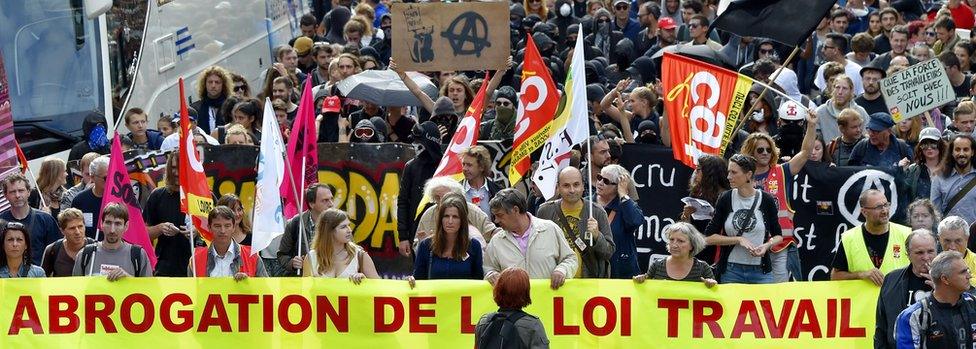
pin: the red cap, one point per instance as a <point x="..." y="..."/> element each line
<point x="666" y="23"/>
<point x="331" y="105"/>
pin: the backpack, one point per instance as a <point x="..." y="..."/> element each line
<point x="135" y="255"/>
<point x="501" y="331"/>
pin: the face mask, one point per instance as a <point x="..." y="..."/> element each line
<point x="97" y="138"/>
<point x="504" y="114"/>
<point x="647" y="138"/>
<point x="565" y="10"/>
<point x="605" y="28"/>
<point x="758" y="116"/>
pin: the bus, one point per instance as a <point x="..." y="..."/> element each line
<point x="65" y="59"/>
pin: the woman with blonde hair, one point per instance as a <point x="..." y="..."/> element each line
<point x="50" y="185"/>
<point x="537" y="7"/>
<point x="334" y="254"/>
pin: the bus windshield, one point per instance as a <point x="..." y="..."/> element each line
<point x="51" y="55"/>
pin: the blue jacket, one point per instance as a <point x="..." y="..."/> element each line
<point x="154" y="139"/>
<point x="624" y="224"/>
<point x="932" y="329"/>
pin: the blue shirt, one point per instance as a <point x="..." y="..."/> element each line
<point x="945" y="187"/>
<point x="631" y="30"/>
<point x="42" y="228"/>
<point x="429" y="267"/>
<point x="866" y="154"/>
<point x="31" y="271"/>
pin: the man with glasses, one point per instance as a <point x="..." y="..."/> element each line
<point x="647" y="17"/>
<point x="113" y="258"/>
<point x="873" y="249"/>
<point x="698" y="32"/>
<point x="89" y="201"/>
<point x="881" y="148"/>
<point x="39" y="224"/>
<point x="622" y="21"/>
<point x="835" y="50"/>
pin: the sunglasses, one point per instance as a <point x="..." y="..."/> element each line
<point x="928" y="145"/>
<point x="364" y="133"/>
<point x="764" y="150"/>
<point x="694" y="25"/>
<point x="503" y="103"/>
<point x="763" y="51"/>
<point x="239" y="88"/>
<point x="930" y="34"/>
<point x="605" y="180"/>
<point x="622" y="7"/>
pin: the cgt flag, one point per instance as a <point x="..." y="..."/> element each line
<point x="703" y="103"/>
<point x="118" y="188"/>
<point x="538" y="101"/>
<point x="794" y="20"/>
<point x="196" y="200"/>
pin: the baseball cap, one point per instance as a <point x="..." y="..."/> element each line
<point x="930" y="133"/>
<point x="791" y="111"/>
<point x="615" y="2"/>
<point x="192" y="113"/>
<point x="331" y="105"/>
<point x="666" y="23"/>
<point x="303" y="45"/>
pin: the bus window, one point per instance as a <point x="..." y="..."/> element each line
<point x="50" y="52"/>
<point x="126" y="23"/>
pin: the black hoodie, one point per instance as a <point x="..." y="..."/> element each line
<point x="334" y="22"/>
<point x="415" y="174"/>
<point x="88" y="127"/>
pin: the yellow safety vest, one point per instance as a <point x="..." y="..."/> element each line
<point x="895" y="256"/>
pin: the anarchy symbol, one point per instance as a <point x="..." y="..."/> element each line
<point x="473" y="25"/>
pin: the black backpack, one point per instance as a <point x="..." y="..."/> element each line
<point x="501" y="331"/>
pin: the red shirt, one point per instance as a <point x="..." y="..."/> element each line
<point x="962" y="15"/>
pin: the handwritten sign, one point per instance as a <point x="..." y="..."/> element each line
<point x="919" y="88"/>
<point x="451" y="36"/>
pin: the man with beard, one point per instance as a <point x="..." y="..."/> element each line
<point x="584" y="225"/>
<point x="666" y="35"/>
<point x="113" y="258"/>
<point x="842" y="98"/>
<point x="871" y="100"/>
<point x="599" y="156"/>
<point x="834" y="50"/>
<point x="881" y="148"/>
<point x="903" y="287"/>
<point x="952" y="188"/>
<point x="415" y="174"/>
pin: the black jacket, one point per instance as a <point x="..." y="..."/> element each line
<point x="890" y="304"/>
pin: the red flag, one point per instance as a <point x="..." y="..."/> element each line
<point x="302" y="152"/>
<point x="703" y="103"/>
<point x="196" y="200"/>
<point x="466" y="135"/>
<point x="20" y="157"/>
<point x="538" y="101"/>
<point x="118" y="188"/>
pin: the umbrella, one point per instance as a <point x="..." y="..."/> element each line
<point x="384" y="88"/>
<point x="700" y="52"/>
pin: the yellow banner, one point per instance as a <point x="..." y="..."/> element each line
<point x="316" y="313"/>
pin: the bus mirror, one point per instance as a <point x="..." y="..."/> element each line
<point x="95" y="8"/>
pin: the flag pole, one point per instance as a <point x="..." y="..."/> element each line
<point x="752" y="108"/>
<point x="294" y="190"/>
<point x="91" y="267"/>
<point x="188" y="220"/>
<point x="301" y="223"/>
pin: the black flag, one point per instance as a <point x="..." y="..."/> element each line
<point x="787" y="21"/>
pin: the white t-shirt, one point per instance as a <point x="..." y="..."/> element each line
<point x="853" y="71"/>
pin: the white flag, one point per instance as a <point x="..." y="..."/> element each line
<point x="570" y="127"/>
<point x="269" y="218"/>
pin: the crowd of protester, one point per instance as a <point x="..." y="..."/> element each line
<point x="823" y="108"/>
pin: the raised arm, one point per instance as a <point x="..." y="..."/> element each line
<point x="801" y="157"/>
<point x="497" y="78"/>
<point x="413" y="87"/>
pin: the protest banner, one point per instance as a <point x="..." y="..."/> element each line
<point x="917" y="89"/>
<point x="319" y="312"/>
<point x="703" y="103"/>
<point x="824" y="199"/>
<point x="451" y="36"/>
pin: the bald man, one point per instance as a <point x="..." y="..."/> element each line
<point x="584" y="224"/>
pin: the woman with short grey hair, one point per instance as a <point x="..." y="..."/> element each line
<point x="684" y="242"/>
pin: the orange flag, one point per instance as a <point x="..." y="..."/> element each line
<point x="703" y="103"/>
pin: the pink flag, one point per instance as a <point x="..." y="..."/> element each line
<point x="302" y="152"/>
<point x="118" y="188"/>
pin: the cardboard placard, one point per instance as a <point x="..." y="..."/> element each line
<point x="917" y="89"/>
<point x="451" y="36"/>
